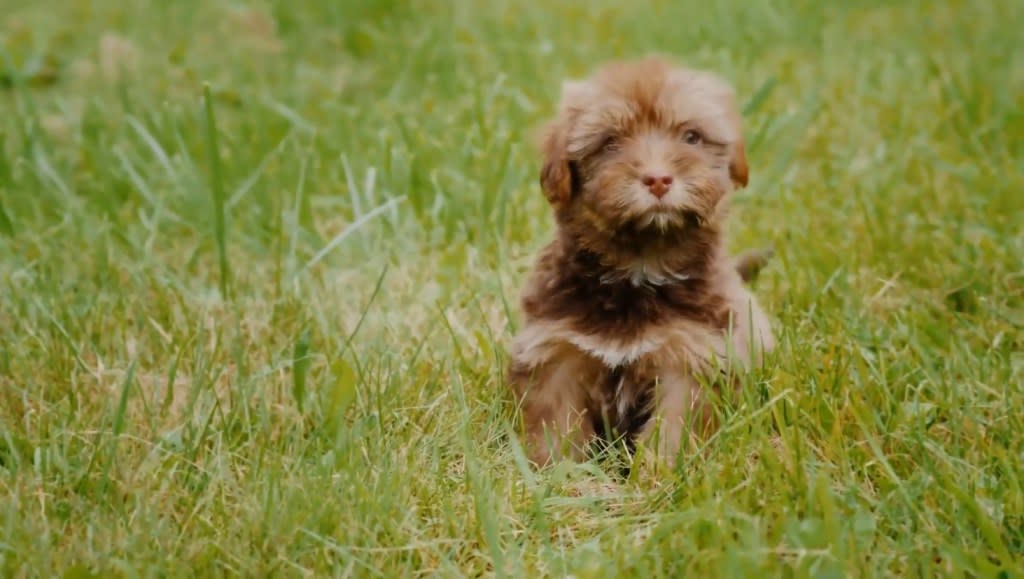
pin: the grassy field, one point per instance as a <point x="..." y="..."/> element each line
<point x="262" y="333"/>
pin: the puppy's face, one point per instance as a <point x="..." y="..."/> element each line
<point x="643" y="146"/>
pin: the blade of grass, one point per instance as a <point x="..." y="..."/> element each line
<point x="760" y="96"/>
<point x="6" y="225"/>
<point x="352" y="228"/>
<point x="362" y="314"/>
<point x="254" y="177"/>
<point x="300" y="367"/>
<point x="217" y="188"/>
<point x="118" y="426"/>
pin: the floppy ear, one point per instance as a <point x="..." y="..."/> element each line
<point x="555" y="174"/>
<point x="738" y="170"/>
<point x="558" y="173"/>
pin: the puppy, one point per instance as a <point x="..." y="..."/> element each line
<point x="635" y="299"/>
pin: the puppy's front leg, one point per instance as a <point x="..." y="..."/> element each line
<point x="681" y="409"/>
<point x="554" y="398"/>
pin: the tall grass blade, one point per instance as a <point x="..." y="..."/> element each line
<point x="217" y="188"/>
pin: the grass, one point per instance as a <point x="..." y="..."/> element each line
<point x="282" y="355"/>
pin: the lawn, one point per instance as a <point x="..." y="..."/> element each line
<point x="259" y="263"/>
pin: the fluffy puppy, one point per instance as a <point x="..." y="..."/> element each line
<point x="635" y="299"/>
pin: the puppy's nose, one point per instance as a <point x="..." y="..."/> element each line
<point x="658" y="186"/>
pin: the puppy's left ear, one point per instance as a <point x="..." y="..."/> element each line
<point x="738" y="171"/>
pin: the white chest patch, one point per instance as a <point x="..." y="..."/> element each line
<point x="614" y="352"/>
<point x="689" y="343"/>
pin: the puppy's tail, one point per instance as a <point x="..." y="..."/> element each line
<point x="750" y="263"/>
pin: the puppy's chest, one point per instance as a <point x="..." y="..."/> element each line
<point x="612" y="349"/>
<point x="622" y="326"/>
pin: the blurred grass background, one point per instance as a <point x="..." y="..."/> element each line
<point x="283" y="356"/>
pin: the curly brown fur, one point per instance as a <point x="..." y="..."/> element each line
<point x="636" y="299"/>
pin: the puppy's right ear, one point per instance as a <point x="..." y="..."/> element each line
<point x="555" y="174"/>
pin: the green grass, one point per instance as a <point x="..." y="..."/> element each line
<point x="283" y="355"/>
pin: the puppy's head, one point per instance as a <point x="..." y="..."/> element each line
<point x="645" y="146"/>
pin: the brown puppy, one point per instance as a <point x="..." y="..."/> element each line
<point x="636" y="298"/>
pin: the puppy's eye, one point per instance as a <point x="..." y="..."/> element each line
<point x="610" y="143"/>
<point x="692" y="137"/>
